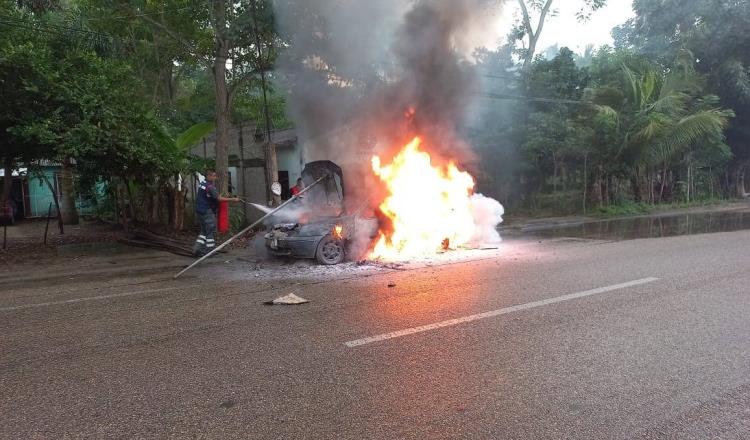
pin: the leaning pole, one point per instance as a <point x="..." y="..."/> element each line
<point x="244" y="231"/>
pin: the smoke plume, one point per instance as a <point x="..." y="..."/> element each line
<point x="356" y="67"/>
<point x="365" y="76"/>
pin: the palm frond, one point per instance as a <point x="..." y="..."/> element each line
<point x="655" y="126"/>
<point x="632" y="86"/>
<point x="691" y="130"/>
<point x="673" y="103"/>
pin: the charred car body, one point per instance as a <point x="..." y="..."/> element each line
<point x="324" y="231"/>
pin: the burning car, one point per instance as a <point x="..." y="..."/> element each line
<point x="322" y="230"/>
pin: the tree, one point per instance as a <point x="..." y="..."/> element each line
<point x="553" y="130"/>
<point x="532" y="32"/>
<point x="236" y="42"/>
<point x="715" y="32"/>
<point x="661" y="116"/>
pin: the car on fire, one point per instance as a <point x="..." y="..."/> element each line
<point x="323" y="230"/>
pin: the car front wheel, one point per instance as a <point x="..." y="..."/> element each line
<point x="330" y="251"/>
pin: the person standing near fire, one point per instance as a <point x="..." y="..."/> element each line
<point x="206" y="207"/>
<point x="296" y="189"/>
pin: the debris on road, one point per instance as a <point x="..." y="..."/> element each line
<point x="288" y="300"/>
<point x="150" y="240"/>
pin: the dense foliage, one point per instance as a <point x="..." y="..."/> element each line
<point x="661" y="117"/>
<point x="107" y="87"/>
<point x="120" y="91"/>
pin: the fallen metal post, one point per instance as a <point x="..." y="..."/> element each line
<point x="257" y="222"/>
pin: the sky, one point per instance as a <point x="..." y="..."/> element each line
<point x="565" y="30"/>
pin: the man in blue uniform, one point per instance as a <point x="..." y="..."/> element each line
<point x="206" y="207"/>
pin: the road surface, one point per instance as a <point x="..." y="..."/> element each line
<point x="555" y="339"/>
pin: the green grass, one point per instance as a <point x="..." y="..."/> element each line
<point x="632" y="208"/>
<point x="562" y="206"/>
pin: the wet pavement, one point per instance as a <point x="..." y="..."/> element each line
<point x="540" y="338"/>
<point x="650" y="226"/>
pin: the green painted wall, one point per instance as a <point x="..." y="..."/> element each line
<point x="39" y="193"/>
<point x="40" y="196"/>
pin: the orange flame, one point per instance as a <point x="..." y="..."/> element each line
<point x="338" y="232"/>
<point x="429" y="206"/>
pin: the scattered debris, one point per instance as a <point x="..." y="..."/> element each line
<point x="288" y="300"/>
<point x="145" y="239"/>
<point x="394" y="266"/>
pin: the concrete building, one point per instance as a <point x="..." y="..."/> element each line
<point x="247" y="178"/>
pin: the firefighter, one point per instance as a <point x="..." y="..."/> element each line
<point x="206" y="208"/>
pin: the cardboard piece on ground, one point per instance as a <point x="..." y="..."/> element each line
<point x="288" y="300"/>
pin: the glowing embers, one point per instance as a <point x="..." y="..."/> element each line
<point x="429" y="206"/>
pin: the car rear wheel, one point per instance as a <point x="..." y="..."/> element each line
<point x="330" y="251"/>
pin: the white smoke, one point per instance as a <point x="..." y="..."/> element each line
<point x="289" y="214"/>
<point x="488" y="214"/>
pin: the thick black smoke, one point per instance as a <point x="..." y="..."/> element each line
<point x="355" y="68"/>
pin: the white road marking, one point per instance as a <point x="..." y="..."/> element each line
<point x="77" y="300"/>
<point x="498" y="312"/>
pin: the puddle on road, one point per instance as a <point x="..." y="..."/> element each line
<point x="649" y="226"/>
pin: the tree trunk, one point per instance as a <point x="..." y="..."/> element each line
<point x="131" y="202"/>
<point x="598" y="184"/>
<point x="178" y="209"/>
<point x="221" y="95"/>
<point x="55" y="199"/>
<point x="635" y="184"/>
<point x="663" y="181"/>
<point x="241" y="180"/>
<point x="181" y="199"/>
<point x="67" y="194"/>
<point x="121" y="209"/>
<point x="530" y="32"/>
<point x="585" y="180"/>
<point x="554" y="173"/>
<point x="272" y="165"/>
<point x="607" y="189"/>
<point x="7" y="180"/>
<point x="739" y="181"/>
<point x="153" y="204"/>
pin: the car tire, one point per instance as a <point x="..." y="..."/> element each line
<point x="330" y="251"/>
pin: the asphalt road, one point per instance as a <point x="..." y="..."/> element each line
<point x="559" y="339"/>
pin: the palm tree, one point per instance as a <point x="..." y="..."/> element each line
<point x="661" y="116"/>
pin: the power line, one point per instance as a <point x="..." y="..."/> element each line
<point x="504" y="96"/>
